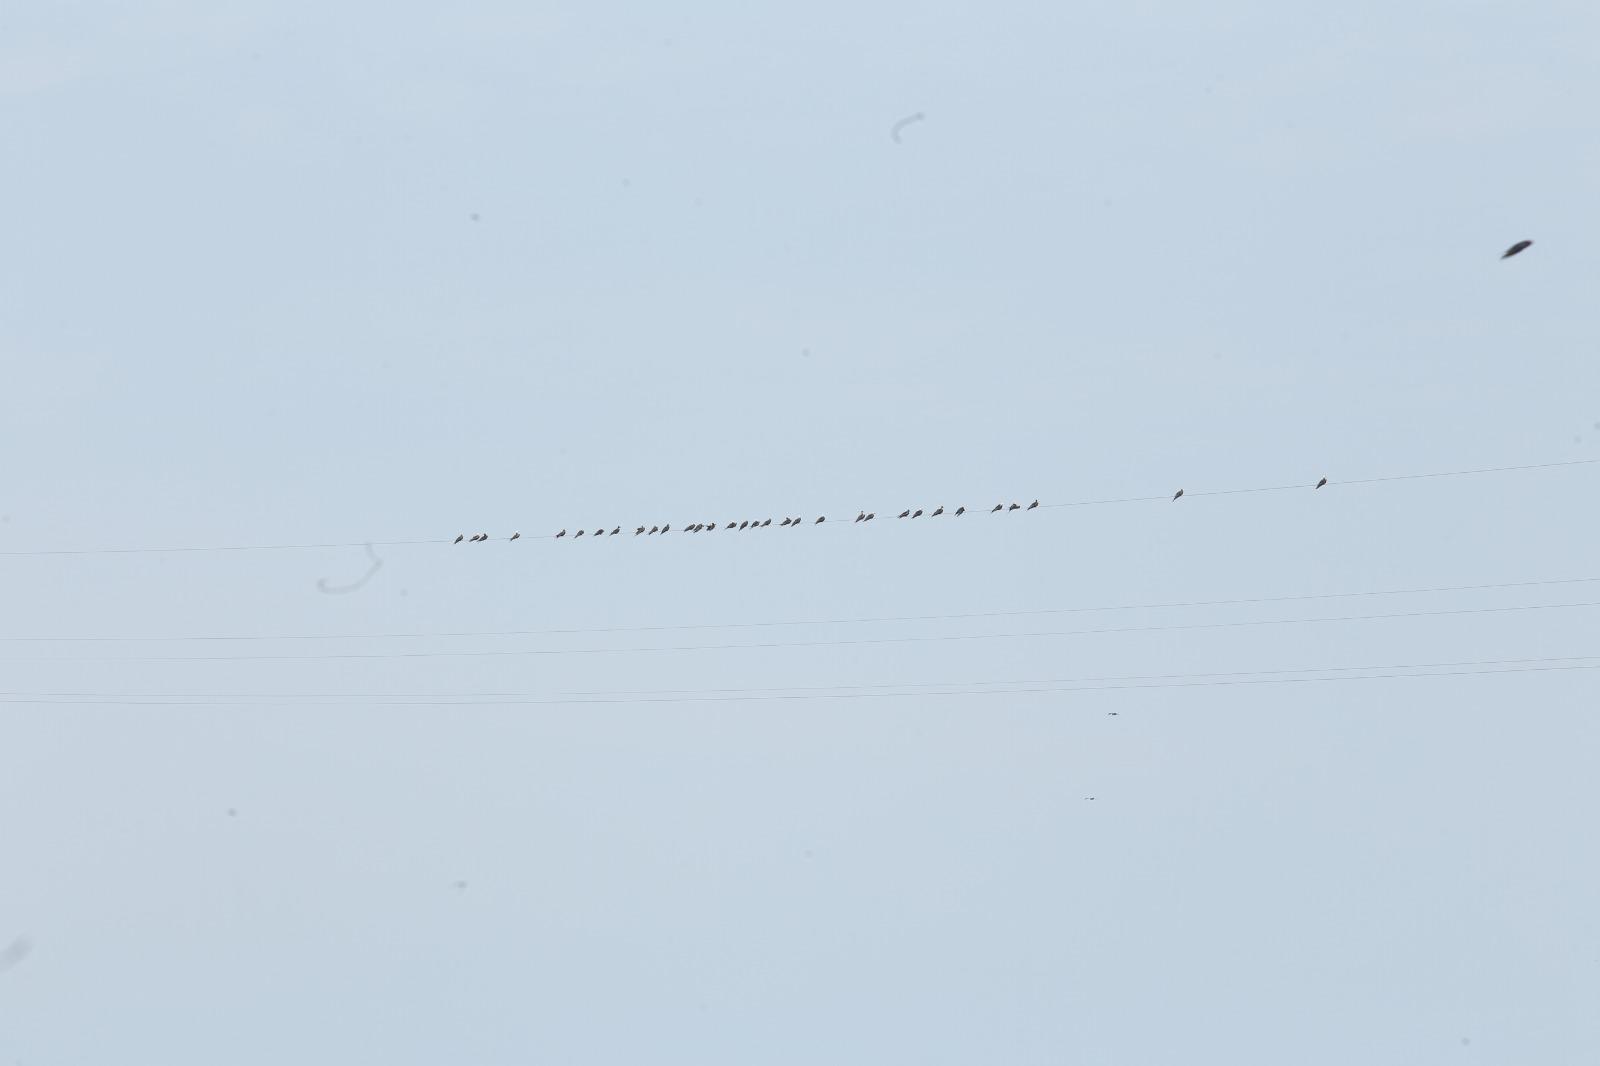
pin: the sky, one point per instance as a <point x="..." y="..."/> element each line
<point x="288" y="274"/>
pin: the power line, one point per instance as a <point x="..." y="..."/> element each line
<point x="832" y="521"/>
<point x="1226" y="683"/>
<point x="702" y="626"/>
<point x="602" y="695"/>
<point x="502" y="653"/>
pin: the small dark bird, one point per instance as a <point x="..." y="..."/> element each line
<point x="862" y="517"/>
<point x="744" y="525"/>
<point x="515" y="536"/>
<point x="917" y="513"/>
<point x="1520" y="246"/>
<point x="820" y="519"/>
<point x="475" y="538"/>
<point x="483" y="536"/>
<point x="460" y="537"/>
<point x="638" y="531"/>
<point x="997" y="508"/>
<point x="938" y="512"/>
<point x="666" y="529"/>
<point x="1321" y="483"/>
<point x="1177" y="494"/>
<point x="871" y="515"/>
<point x="561" y="534"/>
<point x="768" y="522"/>
<point x="577" y="534"/>
<point x="731" y="525"/>
<point x="1032" y="505"/>
<point x="1015" y="507"/>
<point x="1113" y="714"/>
<point x="616" y="530"/>
<point x="906" y="512"/>
<point x="653" y="530"/>
<point x="783" y="523"/>
<point x="960" y="511"/>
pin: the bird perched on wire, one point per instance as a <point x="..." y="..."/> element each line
<point x="783" y="523"/>
<point x="1015" y="507"/>
<point x="742" y="525"/>
<point x="1032" y="505"/>
<point x="666" y="529"/>
<point x="561" y="534"/>
<point x="460" y="537"/>
<point x="905" y="513"/>
<point x="862" y="517"/>
<point x="1321" y="483"/>
<point x="615" y="530"/>
<point x="1520" y="246"/>
<point x="871" y="515"/>
<point x="516" y="536"/>
<point x="821" y="518"/>
<point x="767" y="523"/>
<point x="917" y="513"/>
<point x="578" y="534"/>
<point x="997" y="508"/>
<point x="937" y="511"/>
<point x="1177" y="494"/>
<point x="960" y="511"/>
<point x="653" y="531"/>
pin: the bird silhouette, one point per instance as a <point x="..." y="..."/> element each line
<point x="653" y="530"/>
<point x="638" y="531"/>
<point x="820" y="519"/>
<point x="578" y="534"/>
<point x="666" y="529"/>
<point x="862" y="517"/>
<point x="938" y="512"/>
<point x="460" y="537"/>
<point x="1177" y="494"/>
<point x="744" y="525"/>
<point x="871" y="515"/>
<point x="960" y="511"/>
<point x="906" y="512"/>
<point x="731" y="525"/>
<point x="767" y="523"/>
<point x="1032" y="505"/>
<point x="561" y="534"/>
<point x="1321" y="483"/>
<point x="516" y="536"/>
<point x="998" y="507"/>
<point x="783" y="523"/>
<point x="615" y="530"/>
<point x="1015" y="507"/>
<point x="1520" y="246"/>
<point x="917" y="513"/>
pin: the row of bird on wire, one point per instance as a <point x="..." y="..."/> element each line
<point x="791" y="523"/>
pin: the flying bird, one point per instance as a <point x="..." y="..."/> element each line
<point x="1177" y="494"/>
<point x="561" y="534"/>
<point x="906" y="512"/>
<point x="960" y="511"/>
<point x="1032" y="505"/>
<point x="998" y="507"/>
<point x="1321" y="483"/>
<point x="1520" y="246"/>
<point x="939" y="511"/>
<point x="515" y="536"/>
<point x="460" y="537"/>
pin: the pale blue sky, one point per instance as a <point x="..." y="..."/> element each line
<point x="1132" y="247"/>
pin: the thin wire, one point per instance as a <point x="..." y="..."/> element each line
<point x="1193" y="626"/>
<point x="952" y="617"/>
<point x="748" y="690"/>
<point x="843" y="519"/>
<point x="863" y="695"/>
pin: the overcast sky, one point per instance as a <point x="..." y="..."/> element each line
<point x="299" y="273"/>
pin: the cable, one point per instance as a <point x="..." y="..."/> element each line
<point x="961" y="616"/>
<point x="1192" y="626"/>
<point x="875" y="695"/>
<point x="837" y="521"/>
<point x="580" y="696"/>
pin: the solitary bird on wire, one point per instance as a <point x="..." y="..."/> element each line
<point x="561" y="534"/>
<point x="1321" y="483"/>
<point x="862" y="517"/>
<point x="460" y="537"/>
<point x="516" y="536"/>
<point x="1177" y="494"/>
<point x="1520" y="246"/>
<point x="997" y="508"/>
<point x="906" y="512"/>
<point x="1032" y="505"/>
<point x="937" y="511"/>
<point x="960" y="511"/>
